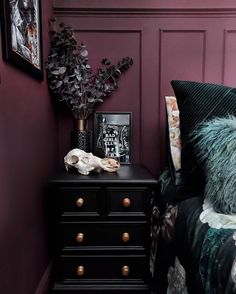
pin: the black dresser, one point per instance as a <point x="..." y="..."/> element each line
<point x="101" y="231"/>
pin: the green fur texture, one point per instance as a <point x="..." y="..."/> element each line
<point x="216" y="149"/>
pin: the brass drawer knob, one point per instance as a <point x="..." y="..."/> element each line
<point x="126" y="202"/>
<point x="79" y="202"/>
<point x="80" y="270"/>
<point x="125" y="237"/>
<point x="125" y="270"/>
<point x="80" y="237"/>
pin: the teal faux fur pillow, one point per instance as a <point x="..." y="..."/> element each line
<point x="216" y="149"/>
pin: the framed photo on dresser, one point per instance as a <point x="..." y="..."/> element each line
<point x="22" y="35"/>
<point x="112" y="135"/>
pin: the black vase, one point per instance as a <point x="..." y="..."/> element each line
<point x="81" y="137"/>
<point x="82" y="140"/>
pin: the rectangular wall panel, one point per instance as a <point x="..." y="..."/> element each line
<point x="182" y="57"/>
<point x="229" y="74"/>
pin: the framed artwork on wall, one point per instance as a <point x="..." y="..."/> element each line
<point x="112" y="135"/>
<point x="22" y="35"/>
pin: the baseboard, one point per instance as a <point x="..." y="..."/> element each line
<point x="43" y="286"/>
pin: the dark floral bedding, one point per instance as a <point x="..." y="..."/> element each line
<point x="205" y="246"/>
<point x="196" y="235"/>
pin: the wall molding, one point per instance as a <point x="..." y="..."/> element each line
<point x="225" y="38"/>
<point x="141" y="4"/>
<point x="108" y="12"/>
<point x="154" y="8"/>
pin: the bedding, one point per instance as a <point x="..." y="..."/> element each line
<point x="206" y="249"/>
<point x="202" y="240"/>
<point x="194" y="223"/>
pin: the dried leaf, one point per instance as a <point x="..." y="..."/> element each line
<point x="59" y="83"/>
<point x="62" y="70"/>
<point x="81" y="106"/>
<point x="98" y="100"/>
<point x="84" y="53"/>
<point x="55" y="72"/>
<point x="91" y="100"/>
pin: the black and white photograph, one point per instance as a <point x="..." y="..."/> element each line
<point x="22" y="46"/>
<point x="112" y="135"/>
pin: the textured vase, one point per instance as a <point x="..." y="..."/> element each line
<point x="81" y="137"/>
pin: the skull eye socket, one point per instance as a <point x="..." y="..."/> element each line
<point x="74" y="159"/>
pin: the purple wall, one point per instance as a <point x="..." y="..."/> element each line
<point x="172" y="39"/>
<point x="168" y="40"/>
<point x="28" y="153"/>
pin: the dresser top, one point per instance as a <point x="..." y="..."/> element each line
<point x="128" y="174"/>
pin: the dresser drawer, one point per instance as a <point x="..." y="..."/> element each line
<point x="101" y="231"/>
<point x="127" y="200"/>
<point x="104" y="234"/>
<point x="103" y="267"/>
<point x="81" y="200"/>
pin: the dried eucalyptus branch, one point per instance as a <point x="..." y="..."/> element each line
<point x="71" y="78"/>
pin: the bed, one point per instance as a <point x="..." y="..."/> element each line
<point x="206" y="252"/>
<point x="194" y="220"/>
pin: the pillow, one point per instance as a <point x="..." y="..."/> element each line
<point x="174" y="130"/>
<point x="216" y="148"/>
<point x="198" y="102"/>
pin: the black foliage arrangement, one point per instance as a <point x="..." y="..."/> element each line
<point x="71" y="79"/>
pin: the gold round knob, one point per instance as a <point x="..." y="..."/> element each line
<point x="80" y="237"/>
<point x="126" y="202"/>
<point x="80" y="270"/>
<point x="125" y="237"/>
<point x="125" y="270"/>
<point x="79" y="202"/>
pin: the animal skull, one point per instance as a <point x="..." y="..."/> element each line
<point x="86" y="162"/>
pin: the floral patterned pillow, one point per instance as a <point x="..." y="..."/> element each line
<point x="174" y="130"/>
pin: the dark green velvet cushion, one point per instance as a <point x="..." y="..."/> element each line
<point x="198" y="102"/>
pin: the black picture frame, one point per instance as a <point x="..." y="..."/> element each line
<point x="21" y="28"/>
<point x="112" y="135"/>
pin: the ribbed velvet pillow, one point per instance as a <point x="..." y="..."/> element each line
<point x="198" y="102"/>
